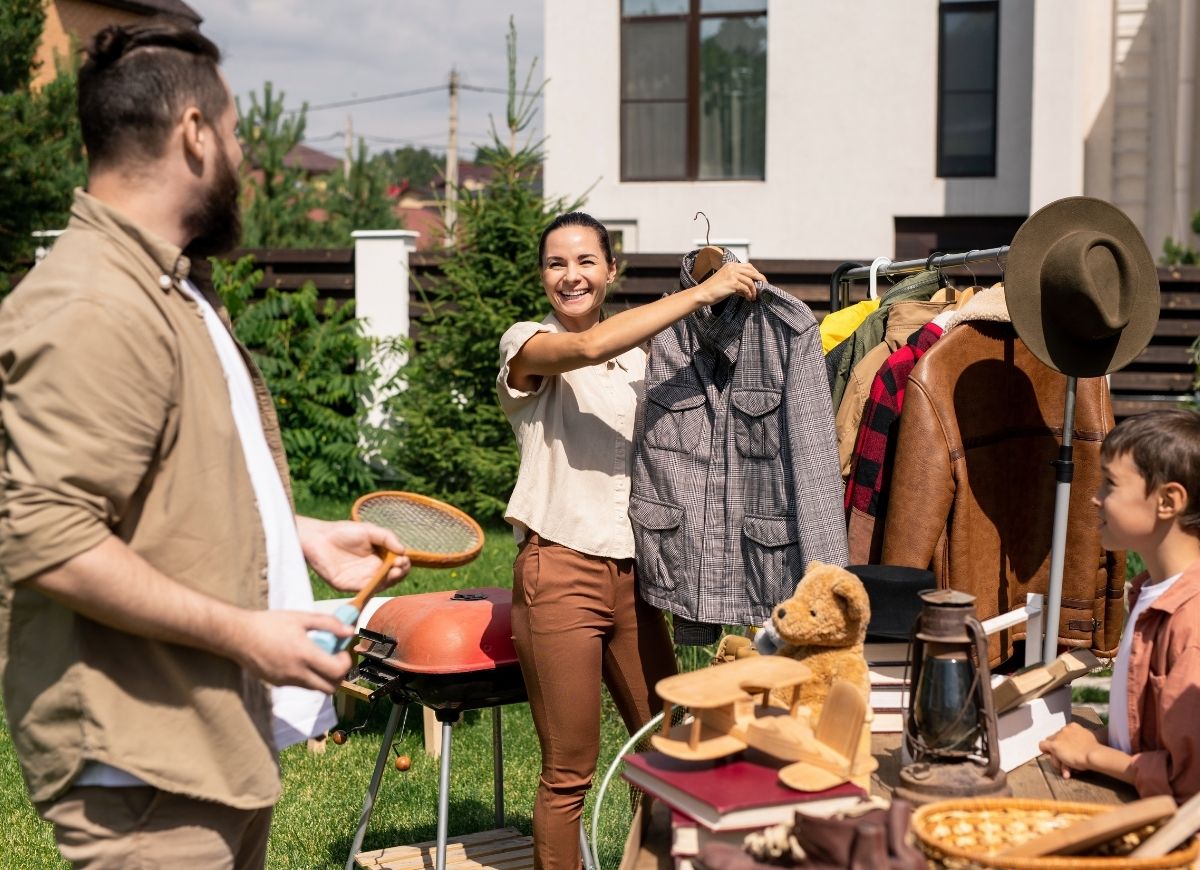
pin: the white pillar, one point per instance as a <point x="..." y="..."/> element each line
<point x="381" y="282"/>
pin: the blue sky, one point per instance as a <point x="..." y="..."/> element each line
<point x="324" y="52"/>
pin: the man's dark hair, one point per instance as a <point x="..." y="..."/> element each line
<point x="137" y="80"/>
<point x="1165" y="447"/>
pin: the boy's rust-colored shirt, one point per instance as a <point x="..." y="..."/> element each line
<point x="115" y="419"/>
<point x="1164" y="689"/>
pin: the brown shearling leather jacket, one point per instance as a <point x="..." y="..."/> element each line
<point x="972" y="490"/>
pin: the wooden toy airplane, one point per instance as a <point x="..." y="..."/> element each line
<point x="727" y="719"/>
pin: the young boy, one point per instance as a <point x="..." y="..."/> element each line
<point x="1149" y="502"/>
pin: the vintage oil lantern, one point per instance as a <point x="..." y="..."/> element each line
<point x="950" y="729"/>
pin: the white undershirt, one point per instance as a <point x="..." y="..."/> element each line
<point x="298" y="713"/>
<point x="1118" y="707"/>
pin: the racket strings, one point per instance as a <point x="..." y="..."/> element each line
<point x="420" y="527"/>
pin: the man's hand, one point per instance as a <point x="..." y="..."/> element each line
<point x="1070" y="749"/>
<point x="346" y="554"/>
<point x="275" y="647"/>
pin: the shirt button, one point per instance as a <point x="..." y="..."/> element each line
<point x="164" y="281"/>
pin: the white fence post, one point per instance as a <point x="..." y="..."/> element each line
<point x="381" y="282"/>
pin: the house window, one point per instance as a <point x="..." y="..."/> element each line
<point x="693" y="89"/>
<point x="968" y="37"/>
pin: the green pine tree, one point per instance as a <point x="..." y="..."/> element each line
<point x="278" y="199"/>
<point x="41" y="151"/>
<point x="451" y="438"/>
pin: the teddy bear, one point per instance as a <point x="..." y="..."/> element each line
<point x="824" y="625"/>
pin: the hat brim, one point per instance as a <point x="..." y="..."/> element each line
<point x="1025" y="290"/>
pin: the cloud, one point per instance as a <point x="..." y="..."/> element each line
<point x="323" y="52"/>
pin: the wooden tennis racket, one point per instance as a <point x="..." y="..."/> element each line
<point x="434" y="534"/>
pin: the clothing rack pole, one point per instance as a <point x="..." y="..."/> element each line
<point x="1064" y="470"/>
<point x="839" y="285"/>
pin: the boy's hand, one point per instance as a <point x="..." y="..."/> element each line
<point x="1070" y="748"/>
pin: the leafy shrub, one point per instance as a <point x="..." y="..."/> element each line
<point x="317" y="363"/>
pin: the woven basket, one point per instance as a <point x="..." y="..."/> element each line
<point x="967" y="833"/>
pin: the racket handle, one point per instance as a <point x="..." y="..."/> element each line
<point x="329" y="642"/>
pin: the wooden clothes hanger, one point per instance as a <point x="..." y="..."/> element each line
<point x="710" y="258"/>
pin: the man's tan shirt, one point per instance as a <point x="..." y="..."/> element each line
<point x="115" y="419"/>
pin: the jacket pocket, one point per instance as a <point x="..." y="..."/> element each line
<point x="756" y="422"/>
<point x="772" y="558"/>
<point x="659" y="538"/>
<point x="675" y="415"/>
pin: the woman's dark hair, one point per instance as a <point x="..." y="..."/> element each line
<point x="577" y="219"/>
<point x="135" y="82"/>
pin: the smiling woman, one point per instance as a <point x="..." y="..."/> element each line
<point x="570" y="386"/>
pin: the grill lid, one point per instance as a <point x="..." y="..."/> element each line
<point x="447" y="632"/>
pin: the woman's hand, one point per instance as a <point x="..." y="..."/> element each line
<point x="731" y="278"/>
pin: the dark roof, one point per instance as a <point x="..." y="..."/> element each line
<point x="311" y="160"/>
<point x="155" y="7"/>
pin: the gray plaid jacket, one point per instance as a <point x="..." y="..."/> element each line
<point x="735" y="464"/>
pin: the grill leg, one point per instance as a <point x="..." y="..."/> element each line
<point x="498" y="762"/>
<point x="373" y="789"/>
<point x="444" y="792"/>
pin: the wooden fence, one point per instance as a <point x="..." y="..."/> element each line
<point x="1161" y="376"/>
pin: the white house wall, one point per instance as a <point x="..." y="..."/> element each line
<point x="851" y="125"/>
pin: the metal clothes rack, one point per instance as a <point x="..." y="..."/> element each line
<point x="839" y="284"/>
<point x="1064" y="465"/>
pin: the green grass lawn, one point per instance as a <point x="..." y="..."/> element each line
<point x="322" y="794"/>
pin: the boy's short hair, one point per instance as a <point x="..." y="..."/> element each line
<point x="1165" y="447"/>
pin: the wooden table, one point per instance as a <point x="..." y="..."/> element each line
<point x="1034" y="779"/>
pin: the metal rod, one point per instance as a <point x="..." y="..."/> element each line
<point x="840" y="282"/>
<point x="585" y="851"/>
<point x="385" y="751"/>
<point x="498" y="765"/>
<point x="1064" y="468"/>
<point x="900" y="267"/>
<point x="443" y="796"/>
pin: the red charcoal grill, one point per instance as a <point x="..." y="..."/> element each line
<point x="451" y="652"/>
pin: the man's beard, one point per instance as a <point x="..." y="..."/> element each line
<point x="215" y="223"/>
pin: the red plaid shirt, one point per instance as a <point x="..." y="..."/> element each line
<point x="866" y="496"/>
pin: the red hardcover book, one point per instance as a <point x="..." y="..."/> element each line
<point x="688" y="836"/>
<point x="731" y="794"/>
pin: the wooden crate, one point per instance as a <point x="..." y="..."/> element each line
<point x="500" y="849"/>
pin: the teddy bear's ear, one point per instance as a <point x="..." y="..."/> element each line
<point x="853" y="597"/>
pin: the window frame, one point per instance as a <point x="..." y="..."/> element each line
<point x="944" y="7"/>
<point x="692" y="19"/>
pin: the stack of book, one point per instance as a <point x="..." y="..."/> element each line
<point x="723" y="801"/>
<point x="888" y="667"/>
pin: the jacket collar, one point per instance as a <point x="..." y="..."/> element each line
<point x="1182" y="590"/>
<point x="987" y="305"/>
<point x="168" y="259"/>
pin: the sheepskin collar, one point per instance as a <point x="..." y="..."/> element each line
<point x="987" y="304"/>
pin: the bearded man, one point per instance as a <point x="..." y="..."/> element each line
<point x="150" y="561"/>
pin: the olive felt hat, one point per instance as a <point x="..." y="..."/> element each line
<point x="1081" y="286"/>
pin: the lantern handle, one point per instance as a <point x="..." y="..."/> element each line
<point x="984" y="674"/>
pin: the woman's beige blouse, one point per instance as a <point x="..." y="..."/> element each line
<point x="575" y="437"/>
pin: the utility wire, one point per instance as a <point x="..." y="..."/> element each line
<point x="375" y="99"/>
<point x="358" y="101"/>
